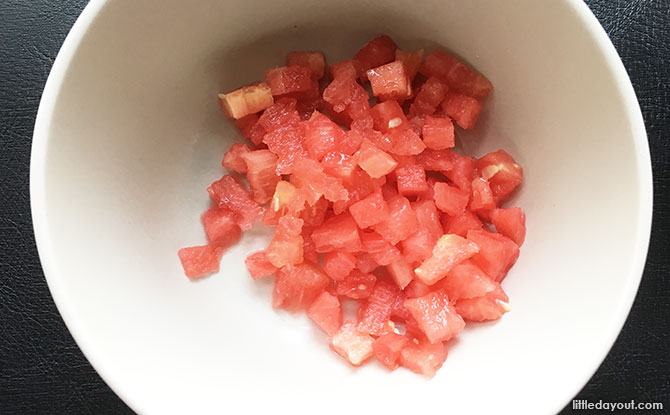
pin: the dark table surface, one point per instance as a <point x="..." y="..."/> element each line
<point x="43" y="371"/>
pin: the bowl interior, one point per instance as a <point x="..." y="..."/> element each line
<point x="134" y="135"/>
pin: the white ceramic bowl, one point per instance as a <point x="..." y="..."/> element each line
<point x="129" y="135"/>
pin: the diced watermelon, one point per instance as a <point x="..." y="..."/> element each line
<point x="308" y="174"/>
<point x="221" y="227"/>
<point x="338" y="264"/>
<point x="497" y="253"/>
<point x="379" y="249"/>
<point x="338" y="233"/>
<point x="375" y="161"/>
<point x="246" y="126"/>
<point x="365" y="263"/>
<point x="462" y="172"/>
<point x="321" y="135"/>
<point x="502" y="172"/>
<point x="461" y="224"/>
<point x="387" y="348"/>
<point x="482" y="196"/>
<point x="370" y="211"/>
<point x="436" y="317"/>
<point x="326" y="312"/>
<point x="308" y="248"/>
<point x="286" y="248"/>
<point x="463" y="109"/>
<point x="346" y="99"/>
<point x="351" y="142"/>
<point x="356" y="285"/>
<point x="450" y="199"/>
<point x="289" y="79"/>
<point x="314" y="215"/>
<point x="262" y="174"/>
<point x="233" y="160"/>
<point x="229" y="193"/>
<point x="315" y="61"/>
<point x="457" y="75"/>
<point x="404" y="142"/>
<point x="436" y="160"/>
<point x="401" y="223"/>
<point x="259" y="266"/>
<point x="285" y="135"/>
<point x="199" y="261"/>
<point x="438" y="133"/>
<point x="467" y="280"/>
<point x="410" y="177"/>
<point x="417" y="289"/>
<point x="347" y="68"/>
<point x="430" y="96"/>
<point x="387" y="116"/>
<point x="490" y="306"/>
<point x="422" y="357"/>
<point x="401" y="272"/>
<point x="390" y="81"/>
<point x="377" y="52"/>
<point x="339" y="165"/>
<point x="419" y="246"/>
<point x="511" y="223"/>
<point x="354" y="346"/>
<point x="297" y="286"/>
<point x="375" y="314"/>
<point x="412" y="61"/>
<point x="247" y="100"/>
<point x="449" y="251"/>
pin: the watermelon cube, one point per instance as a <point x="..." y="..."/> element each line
<point x="401" y="223"/>
<point x="467" y="280"/>
<point x="357" y="285"/>
<point x="457" y="74"/>
<point x="497" y="253"/>
<point x="401" y="272"/>
<point x="419" y="246"/>
<point x="376" y="162"/>
<point x="346" y="100"/>
<point x="315" y="61"/>
<point x="230" y="193"/>
<point x="289" y="79"/>
<point x="390" y="82"/>
<point x="315" y="214"/>
<point x="365" y="263"/>
<point x="462" y="172"/>
<point x="502" y="172"/>
<point x="221" y="227"/>
<point x="436" y="160"/>
<point x="339" y="165"/>
<point x="286" y="247"/>
<point x="374" y="317"/>
<point x="199" y="261"/>
<point x="377" y="52"/>
<point x="462" y="109"/>
<point x="338" y="264"/>
<point x="461" y="224"/>
<point x="387" y="348"/>
<point x="326" y="312"/>
<point x="247" y="125"/>
<point x="511" y="223"/>
<point x="347" y="68"/>
<point x="410" y="177"/>
<point x="412" y="61"/>
<point x="369" y="211"/>
<point x="404" y="142"/>
<point x="437" y="318"/>
<point x="438" y="133"/>
<point x="259" y="266"/>
<point x="422" y="357"/>
<point x="430" y="96"/>
<point x="321" y="135"/>
<point x="262" y="174"/>
<point x="449" y="199"/>
<point x="388" y="115"/>
<point x="233" y="160"/>
<point x="247" y="100"/>
<point x="338" y="233"/>
<point x="490" y="306"/>
<point x="449" y="251"/>
<point x="482" y="196"/>
<point x="296" y="287"/>
<point x="308" y="174"/>
<point x="353" y="345"/>
<point x="379" y="249"/>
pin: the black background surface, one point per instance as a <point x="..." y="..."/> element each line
<point x="43" y="371"/>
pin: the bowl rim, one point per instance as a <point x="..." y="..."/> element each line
<point x="53" y="275"/>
